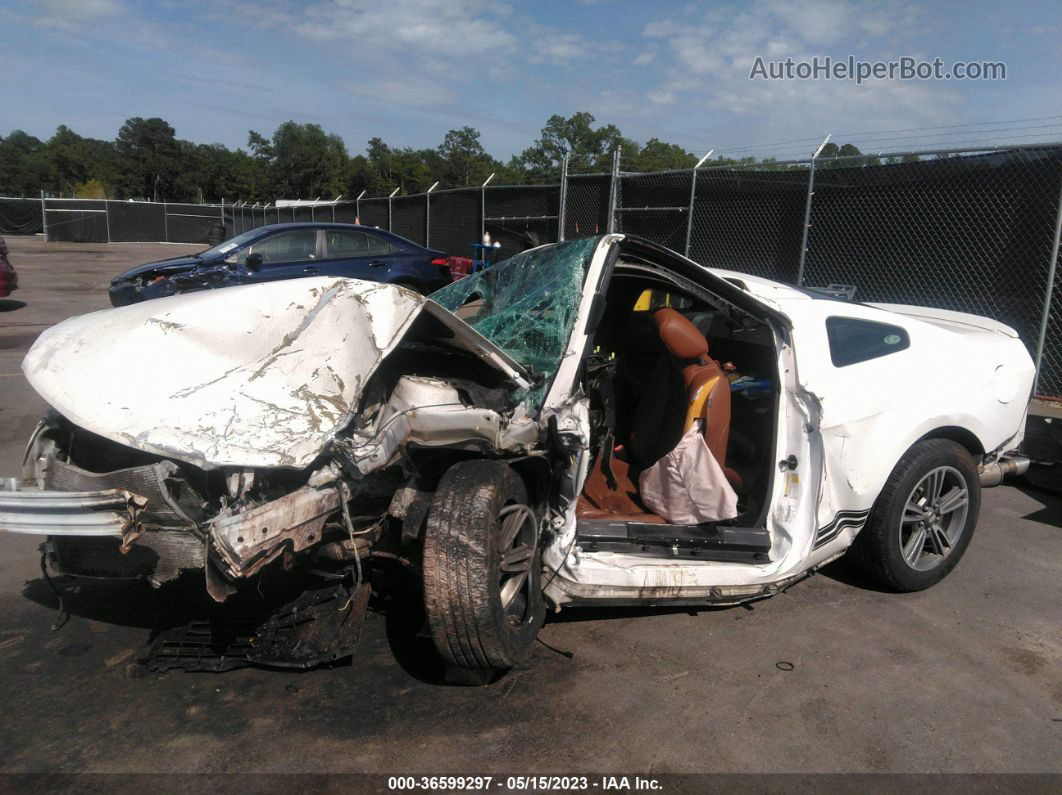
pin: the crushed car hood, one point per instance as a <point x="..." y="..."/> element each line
<point x="167" y="266"/>
<point x="255" y="376"/>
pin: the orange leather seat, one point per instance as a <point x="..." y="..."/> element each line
<point x="686" y="387"/>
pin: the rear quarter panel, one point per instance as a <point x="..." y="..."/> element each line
<point x="874" y="411"/>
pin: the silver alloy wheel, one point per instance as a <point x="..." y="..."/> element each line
<point x="934" y="518"/>
<point x="517" y="541"/>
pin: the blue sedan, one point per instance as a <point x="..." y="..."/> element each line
<point x="289" y="251"/>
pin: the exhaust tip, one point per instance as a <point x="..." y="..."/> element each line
<point x="993" y="474"/>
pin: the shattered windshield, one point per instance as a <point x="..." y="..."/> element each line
<point x="527" y="304"/>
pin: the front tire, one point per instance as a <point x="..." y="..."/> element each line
<point x="482" y="590"/>
<point x="924" y="518"/>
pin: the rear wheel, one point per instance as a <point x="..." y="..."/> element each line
<point x="482" y="590"/>
<point x="409" y="284"/>
<point x="923" y="519"/>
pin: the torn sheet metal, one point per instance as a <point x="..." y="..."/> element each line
<point x="248" y="540"/>
<point x="431" y="413"/>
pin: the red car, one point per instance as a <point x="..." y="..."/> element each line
<point x="8" y="277"/>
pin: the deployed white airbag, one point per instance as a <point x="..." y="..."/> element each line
<point x="687" y="486"/>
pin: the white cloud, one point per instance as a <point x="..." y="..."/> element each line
<point x="400" y="91"/>
<point x="424" y="52"/>
<point x="470" y="24"/>
<point x="558" y="47"/>
<point x="73" y="13"/>
<point x="708" y="53"/>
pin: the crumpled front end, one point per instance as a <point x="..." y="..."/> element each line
<point x="228" y="433"/>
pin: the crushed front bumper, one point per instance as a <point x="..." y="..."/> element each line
<point x="92" y="533"/>
<point x="107" y="512"/>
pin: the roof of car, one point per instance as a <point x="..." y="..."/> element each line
<point x="766" y="288"/>
<point x="318" y="225"/>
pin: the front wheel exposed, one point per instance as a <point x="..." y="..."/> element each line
<point x="482" y="589"/>
<point x="923" y="519"/>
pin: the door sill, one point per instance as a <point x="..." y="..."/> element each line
<point x="704" y="542"/>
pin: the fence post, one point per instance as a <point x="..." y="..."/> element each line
<point x="396" y="190"/>
<point x="107" y="218"/>
<point x="165" y="224"/>
<point x="1051" y="268"/>
<point x="611" y="226"/>
<point x="562" y="204"/>
<point x="693" y="196"/>
<point x="44" y="218"/>
<point x="357" y="207"/>
<point x="483" y="207"/>
<point x="427" y="215"/>
<point x="807" y="212"/>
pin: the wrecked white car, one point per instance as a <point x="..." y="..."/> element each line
<point x="600" y="421"/>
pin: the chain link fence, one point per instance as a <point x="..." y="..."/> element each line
<point x="974" y="231"/>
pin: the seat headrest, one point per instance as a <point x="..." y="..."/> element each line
<point x="679" y="335"/>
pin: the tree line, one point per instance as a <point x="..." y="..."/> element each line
<point x="146" y="160"/>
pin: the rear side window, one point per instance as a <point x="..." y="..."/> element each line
<point x="344" y="244"/>
<point x="853" y="340"/>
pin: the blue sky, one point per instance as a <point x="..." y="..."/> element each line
<point x="408" y="70"/>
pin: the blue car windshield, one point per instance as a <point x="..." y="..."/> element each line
<point x="526" y="305"/>
<point x="231" y="245"/>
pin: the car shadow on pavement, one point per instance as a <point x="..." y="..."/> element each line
<point x="400" y="601"/>
<point x="579" y="614"/>
<point x="845" y="572"/>
<point x="1051" y="512"/>
<point x="10" y="305"/>
<point x="128" y="604"/>
<point x="176" y="604"/>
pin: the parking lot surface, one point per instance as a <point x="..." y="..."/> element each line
<point x="831" y="676"/>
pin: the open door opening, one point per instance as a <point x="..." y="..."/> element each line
<point x="670" y="359"/>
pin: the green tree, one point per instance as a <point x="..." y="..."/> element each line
<point x="587" y="148"/>
<point x="659" y="155"/>
<point x="304" y="161"/>
<point x="398" y="168"/>
<point x="464" y="160"/>
<point x="149" y="158"/>
<point x="23" y="165"/>
<point x="92" y="189"/>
